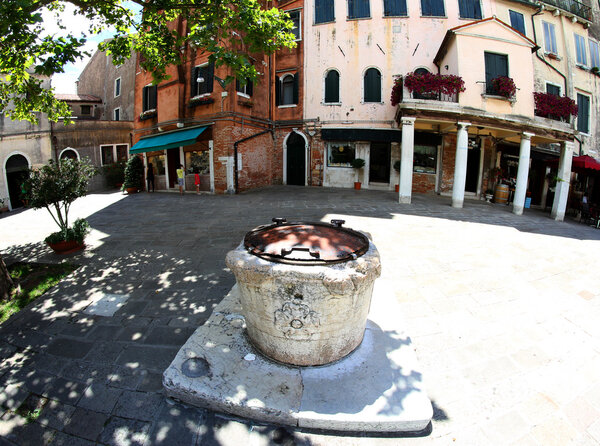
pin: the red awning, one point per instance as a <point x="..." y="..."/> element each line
<point x="580" y="163"/>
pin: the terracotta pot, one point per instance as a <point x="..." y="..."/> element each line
<point x="397" y="188"/>
<point x="66" y="246"/>
<point x="131" y="190"/>
<point x="4" y="209"/>
<point x="357" y="185"/>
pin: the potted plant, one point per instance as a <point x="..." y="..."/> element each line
<point x="504" y="86"/>
<point x="134" y="172"/>
<point x="397" y="169"/>
<point x="55" y="187"/>
<point x="554" y="107"/>
<point x="489" y="194"/>
<point x="357" y="164"/>
<point x="431" y="86"/>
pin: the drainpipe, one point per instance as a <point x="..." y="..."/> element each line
<point x="235" y="154"/>
<point x="539" y="12"/>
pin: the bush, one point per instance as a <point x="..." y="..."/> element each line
<point x="358" y="163"/>
<point x="114" y="173"/>
<point x="77" y="233"/>
<point x="134" y="173"/>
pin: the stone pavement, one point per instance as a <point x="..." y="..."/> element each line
<point x="502" y="311"/>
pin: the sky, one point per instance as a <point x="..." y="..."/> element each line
<point x="79" y="25"/>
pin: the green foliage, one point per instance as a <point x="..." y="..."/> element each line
<point x="56" y="186"/>
<point x="358" y="163"/>
<point x="114" y="173"/>
<point x="397" y="165"/>
<point x="134" y="171"/>
<point x="77" y="233"/>
<point x="199" y="162"/>
<point x="230" y="31"/>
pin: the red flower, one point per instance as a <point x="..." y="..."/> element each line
<point x="504" y="86"/>
<point x="427" y="83"/>
<point x="554" y="107"/>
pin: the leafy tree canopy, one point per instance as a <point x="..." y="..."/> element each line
<point x="229" y="30"/>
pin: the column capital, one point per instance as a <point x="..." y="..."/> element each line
<point x="462" y="125"/>
<point x="408" y="121"/>
<point x="568" y="145"/>
<point x="527" y="135"/>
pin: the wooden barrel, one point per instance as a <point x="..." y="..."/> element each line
<point x="501" y="194"/>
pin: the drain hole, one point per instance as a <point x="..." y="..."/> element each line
<point x="298" y="296"/>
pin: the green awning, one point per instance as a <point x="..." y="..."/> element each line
<point x="169" y="140"/>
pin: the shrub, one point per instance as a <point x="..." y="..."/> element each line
<point x="134" y="172"/>
<point x="114" y="173"/>
<point x="358" y="163"/>
<point x="77" y="233"/>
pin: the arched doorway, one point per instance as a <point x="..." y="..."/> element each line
<point x="16" y="168"/>
<point x="69" y="153"/>
<point x="296" y="159"/>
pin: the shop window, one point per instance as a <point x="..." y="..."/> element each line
<point x="202" y="79"/>
<point x="324" y="11"/>
<point x="550" y="38"/>
<point x="197" y="162"/>
<point x="394" y="8"/>
<point x="244" y="88"/>
<point x="297" y="29"/>
<point x="158" y="164"/>
<point x="340" y="154"/>
<point x="433" y="8"/>
<point x="372" y="85"/>
<point x="517" y="21"/>
<point x="469" y="9"/>
<point x="358" y="9"/>
<point x="149" y="97"/>
<point x="332" y="87"/>
<point x="425" y="159"/>
<point x="495" y="65"/>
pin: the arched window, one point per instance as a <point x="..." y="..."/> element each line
<point x="332" y="87"/>
<point x="286" y="91"/>
<point x="421" y="71"/>
<point x="372" y="85"/>
<point x="69" y="153"/>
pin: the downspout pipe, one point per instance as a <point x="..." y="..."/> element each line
<point x="539" y="12"/>
<point x="235" y="154"/>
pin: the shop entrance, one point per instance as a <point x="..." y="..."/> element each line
<point x="17" y="169"/>
<point x="173" y="162"/>
<point x="379" y="163"/>
<point x="472" y="169"/>
<point x="296" y="160"/>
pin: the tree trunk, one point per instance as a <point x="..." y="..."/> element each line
<point x="6" y="283"/>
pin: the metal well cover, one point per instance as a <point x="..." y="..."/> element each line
<point x="306" y="243"/>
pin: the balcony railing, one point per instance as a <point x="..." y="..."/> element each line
<point x="435" y="96"/>
<point x="572" y="6"/>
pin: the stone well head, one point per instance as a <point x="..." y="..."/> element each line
<point x="305" y="289"/>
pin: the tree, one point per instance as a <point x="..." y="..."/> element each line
<point x="56" y="186"/>
<point x="228" y="30"/>
<point x="134" y="171"/>
<point x="6" y="282"/>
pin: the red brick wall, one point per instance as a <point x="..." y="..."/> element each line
<point x="448" y="159"/>
<point x="423" y="183"/>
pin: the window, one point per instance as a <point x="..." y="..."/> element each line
<point x="149" y="98"/>
<point x="202" y="79"/>
<point x="86" y="110"/>
<point x="117" y="114"/>
<point x="580" y="51"/>
<point x="286" y="90"/>
<point x="245" y="88"/>
<point x="69" y="153"/>
<point x="358" y="9"/>
<point x="332" y="87"/>
<point x="117" y="87"/>
<point x="158" y="164"/>
<point x="495" y="65"/>
<point x="594" y="56"/>
<point x="550" y="38"/>
<point x="297" y="29"/>
<point x="113" y="153"/>
<point x="432" y="8"/>
<point x="553" y="89"/>
<point x="517" y="21"/>
<point x="372" y="85"/>
<point x="469" y="9"/>
<point x="324" y="11"/>
<point x="197" y="161"/>
<point x="425" y="159"/>
<point x="394" y="8"/>
<point x="583" y="113"/>
<point x="340" y="154"/>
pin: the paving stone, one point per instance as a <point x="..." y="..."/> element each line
<point x="55" y="414"/>
<point x="132" y="333"/>
<point x="13" y="395"/>
<point x="103" y="333"/>
<point x="100" y="398"/>
<point x="125" y="378"/>
<point x="168" y="335"/>
<point x="132" y="307"/>
<point x="87" y="371"/>
<point x="138" y="405"/>
<point x="48" y="363"/>
<point x="105" y="352"/>
<point x="62" y="439"/>
<point x="126" y="432"/>
<point x="86" y="424"/>
<point x="31" y="434"/>
<point x="64" y="390"/>
<point x="151" y="358"/>
<point x="151" y="382"/>
<point x="177" y="424"/>
<point x="69" y="348"/>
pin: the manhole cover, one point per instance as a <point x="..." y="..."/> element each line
<point x="196" y="367"/>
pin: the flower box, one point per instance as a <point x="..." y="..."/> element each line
<point x="428" y="86"/>
<point x="503" y="86"/>
<point x="554" y="107"/>
<point x="148" y="114"/>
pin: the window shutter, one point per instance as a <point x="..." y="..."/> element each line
<point x="277" y="90"/>
<point x="145" y="99"/>
<point x="583" y="113"/>
<point x="249" y="87"/>
<point x="332" y="87"/>
<point x="153" y="96"/>
<point x="351" y="11"/>
<point x="210" y="76"/>
<point x="238" y="87"/>
<point x="295" y="96"/>
<point x="193" y="83"/>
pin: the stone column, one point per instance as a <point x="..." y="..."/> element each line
<point x="460" y="165"/>
<point x="522" y="174"/>
<point x="559" y="206"/>
<point x="406" y="163"/>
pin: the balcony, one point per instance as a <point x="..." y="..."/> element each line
<point x="572" y="6"/>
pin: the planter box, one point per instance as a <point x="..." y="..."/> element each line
<point x="66" y="246"/>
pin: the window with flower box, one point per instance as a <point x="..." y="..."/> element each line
<point x="496" y="65"/>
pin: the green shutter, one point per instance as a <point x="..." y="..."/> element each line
<point x="277" y="90"/>
<point x="295" y="91"/>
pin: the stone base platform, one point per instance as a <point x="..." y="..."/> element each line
<point x="377" y="388"/>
